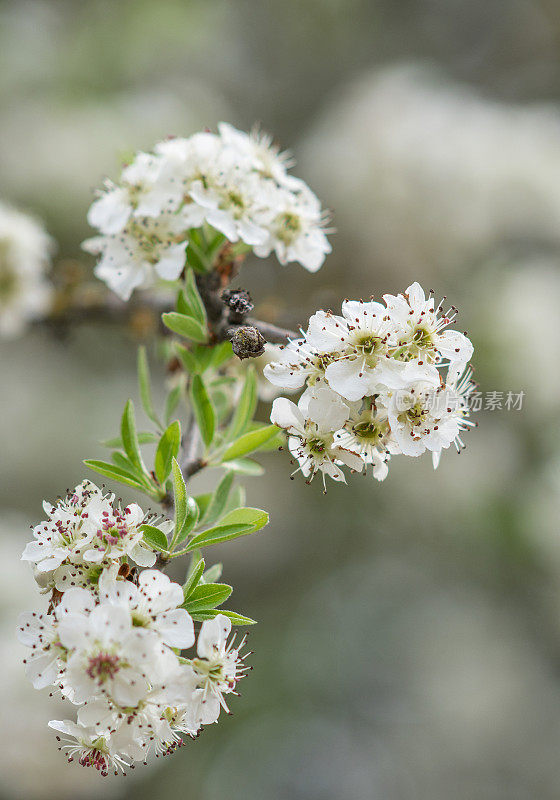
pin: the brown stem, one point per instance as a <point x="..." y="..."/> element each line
<point x="272" y="333"/>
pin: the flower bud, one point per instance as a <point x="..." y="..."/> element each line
<point x="247" y="342"/>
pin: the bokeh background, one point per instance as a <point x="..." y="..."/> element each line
<point x="409" y="637"/>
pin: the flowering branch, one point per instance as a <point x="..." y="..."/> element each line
<point x="379" y="380"/>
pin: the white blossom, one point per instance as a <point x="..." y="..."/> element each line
<point x="153" y="603"/>
<point x="367" y="433"/>
<point x="422" y="331"/>
<point x="425" y="414"/>
<point x="40" y="632"/>
<point x="84" y="533"/>
<point x="258" y="148"/>
<point x="60" y="539"/>
<point x="374" y="385"/>
<point x="229" y="184"/>
<point x="109" y="655"/>
<point x="219" y="666"/>
<point x="25" y="251"/>
<point x="359" y="342"/>
<point x="117" y="532"/>
<point x="296" y="228"/>
<point x="311" y="438"/>
<point x="296" y="364"/>
<point x="114" y="649"/>
<point x="106" y="751"/>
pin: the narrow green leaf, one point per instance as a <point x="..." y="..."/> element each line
<point x="245" y="407"/>
<point x="144" y="386"/>
<point x="194" y="299"/>
<point x="222" y="402"/>
<point x="203" y="501"/>
<point x="203" y="355"/>
<point x="222" y="352"/>
<point x="203" y="410"/>
<point x="129" y="437"/>
<point x="244" y="466"/>
<point x="207" y="596"/>
<point x="249" y="442"/>
<point x="180" y="495"/>
<point x="185" y="326"/>
<point x="195" y="258"/>
<point x="154" y="537"/>
<point x="236" y="498"/>
<point x="114" y="473"/>
<point x="274" y="442"/>
<point x="167" y="449"/>
<point x="126" y="464"/>
<point x="237" y="619"/>
<point x="213" y="574"/>
<point x="239" y="522"/>
<point x="182" y="304"/>
<point x="172" y="402"/>
<point x="219" y="499"/>
<point x="193" y="579"/>
<point x="191" y="518"/>
<point x="187" y="358"/>
<point x="202" y="616"/>
<point x="145" y="437"/>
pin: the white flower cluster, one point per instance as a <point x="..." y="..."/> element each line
<point x="25" y="292"/>
<point x="237" y="184"/>
<point x="111" y="640"/>
<point x="375" y="385"/>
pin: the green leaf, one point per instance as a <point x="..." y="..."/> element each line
<point x="186" y="358"/>
<point x="219" y="499"/>
<point x="249" y="442"/>
<point x="237" y="619"/>
<point x="203" y="501"/>
<point x="195" y="258"/>
<point x="239" y="522"/>
<point x="129" y="437"/>
<point x="182" y="304"/>
<point x="203" y="355"/>
<point x="143" y="438"/>
<point x="167" y="449"/>
<point x="154" y="537"/>
<point x="172" y="402"/>
<point x="246" y="406"/>
<point x="274" y="442"/>
<point x="244" y="466"/>
<point x="207" y="596"/>
<point x="114" y="473"/>
<point x="191" y="518"/>
<point x="236" y="498"/>
<point x="126" y="464"/>
<point x="194" y="299"/>
<point x="203" y="410"/>
<point x="222" y="352"/>
<point x="144" y="386"/>
<point x="185" y="326"/>
<point x="213" y="574"/>
<point x="180" y="495"/>
<point x="193" y="579"/>
<point x="202" y="616"/>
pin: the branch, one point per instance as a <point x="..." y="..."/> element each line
<point x="272" y="333"/>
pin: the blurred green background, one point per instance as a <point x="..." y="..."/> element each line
<point x="409" y="637"/>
